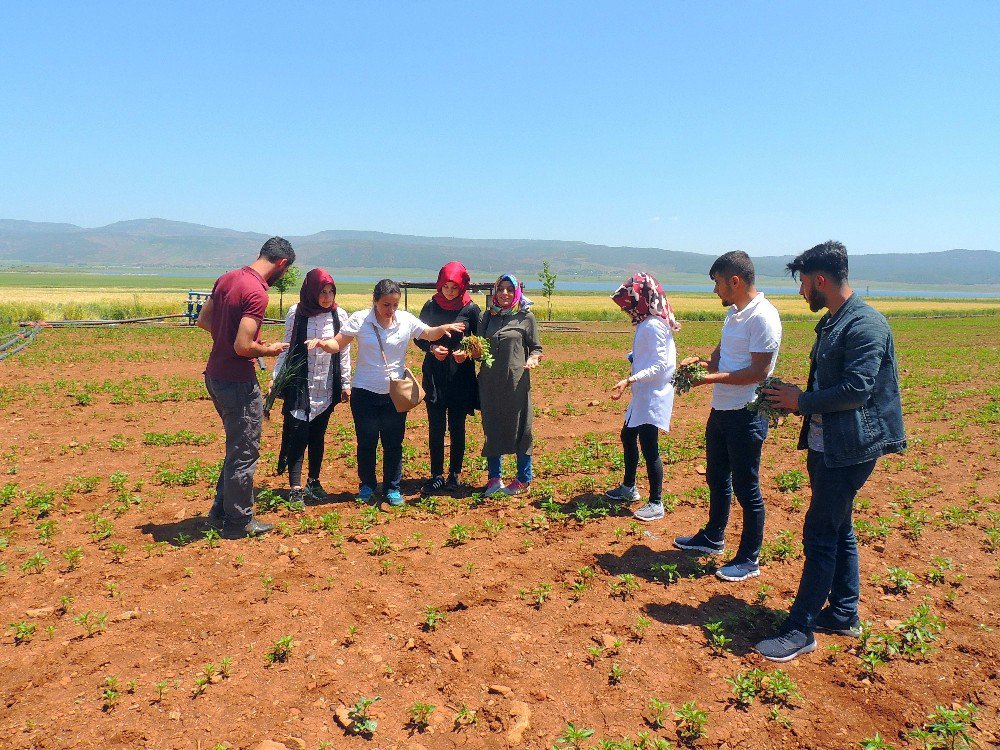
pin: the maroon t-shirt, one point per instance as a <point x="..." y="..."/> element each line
<point x="236" y="295"/>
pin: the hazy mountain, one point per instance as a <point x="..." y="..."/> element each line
<point x="159" y="244"/>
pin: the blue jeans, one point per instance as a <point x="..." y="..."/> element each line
<point x="733" y="442"/>
<point x="523" y="467"/>
<point x="375" y="418"/>
<point x="831" y="566"/>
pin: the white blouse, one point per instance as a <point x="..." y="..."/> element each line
<point x="371" y="372"/>
<point x="320" y="395"/>
<point x="654" y="358"/>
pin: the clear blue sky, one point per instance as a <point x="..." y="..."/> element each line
<point x="703" y="126"/>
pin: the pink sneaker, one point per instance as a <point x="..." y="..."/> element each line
<point x="516" y="487"/>
<point x="494" y="487"/>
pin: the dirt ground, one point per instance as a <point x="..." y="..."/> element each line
<point x="508" y="617"/>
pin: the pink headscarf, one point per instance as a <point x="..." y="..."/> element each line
<point x="641" y="297"/>
<point x="455" y="273"/>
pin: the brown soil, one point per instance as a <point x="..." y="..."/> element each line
<point x="357" y="619"/>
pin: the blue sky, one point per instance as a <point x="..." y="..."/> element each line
<point x="702" y="126"/>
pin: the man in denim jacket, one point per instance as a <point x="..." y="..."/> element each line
<point x="852" y="415"/>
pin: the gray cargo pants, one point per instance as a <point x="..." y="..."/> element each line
<point x="242" y="410"/>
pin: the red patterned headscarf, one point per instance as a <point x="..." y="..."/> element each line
<point x="312" y="285"/>
<point x="641" y="297"/>
<point x="455" y="273"/>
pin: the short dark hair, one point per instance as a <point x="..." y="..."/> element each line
<point x="384" y="287"/>
<point x="278" y="248"/>
<point x="829" y="259"/>
<point x="734" y="263"/>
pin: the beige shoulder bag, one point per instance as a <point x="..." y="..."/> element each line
<point x="405" y="392"/>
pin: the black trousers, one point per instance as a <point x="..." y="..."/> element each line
<point x="305" y="436"/>
<point x="375" y="418"/>
<point x="438" y="419"/>
<point x="645" y="436"/>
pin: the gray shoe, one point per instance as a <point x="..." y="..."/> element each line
<point x="738" y="571"/>
<point x="700" y="543"/>
<point x="826" y="622"/>
<point x="649" y="512"/>
<point x="786" y="646"/>
<point x="624" y="494"/>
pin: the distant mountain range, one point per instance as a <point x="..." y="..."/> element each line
<point x="159" y="245"/>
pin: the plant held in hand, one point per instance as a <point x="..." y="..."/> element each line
<point x="760" y="404"/>
<point x="478" y="348"/>
<point x="688" y="376"/>
<point x="282" y="380"/>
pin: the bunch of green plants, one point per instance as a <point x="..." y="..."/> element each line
<point x="760" y="404"/>
<point x="688" y="376"/>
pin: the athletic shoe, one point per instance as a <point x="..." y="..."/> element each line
<point x="700" y="543"/>
<point x="296" y="496"/>
<point x="239" y="530"/>
<point x="494" y="487"/>
<point x="649" y="512"/>
<point x="786" y="646"/>
<point x="516" y="487"/>
<point x="826" y="622"/>
<point x="394" y="498"/>
<point x="315" y="490"/>
<point x="738" y="571"/>
<point x="624" y="494"/>
<point x="365" y="494"/>
<point x="453" y="484"/>
<point x="432" y="486"/>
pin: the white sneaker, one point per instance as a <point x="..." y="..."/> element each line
<point x="649" y="512"/>
<point x="623" y="493"/>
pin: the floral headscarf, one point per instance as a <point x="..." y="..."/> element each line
<point x="641" y="297"/>
<point x="456" y="273"/>
<point x="520" y="302"/>
<point x="312" y="285"/>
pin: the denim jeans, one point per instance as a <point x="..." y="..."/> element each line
<point x="523" y="467"/>
<point x="242" y="411"/>
<point x="831" y="566"/>
<point x="733" y="442"/>
<point x="376" y="418"/>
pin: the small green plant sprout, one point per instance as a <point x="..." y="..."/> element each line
<point x="625" y="586"/>
<point x="160" y="687"/>
<point x="46" y="530"/>
<point x="899" y="580"/>
<point x="572" y="737"/>
<point x="458" y="535"/>
<point x="947" y="728"/>
<point x="362" y="723"/>
<point x="762" y="593"/>
<point x="109" y="694"/>
<point x="664" y="572"/>
<point x="381" y="545"/>
<point x="23" y="631"/>
<point x="113" y="590"/>
<point x="35" y="564"/>
<point x="691" y="722"/>
<point x="492" y="527"/>
<point x="875" y="743"/>
<point x="775" y="715"/>
<point x="352" y="635"/>
<point x="225" y="667"/>
<point x="936" y="573"/>
<point x="791" y="480"/>
<point x="420" y="716"/>
<point x="92" y="622"/>
<point x="540" y="594"/>
<point x="656" y="713"/>
<point x="201" y="683"/>
<point x="594" y="653"/>
<point x="717" y="637"/>
<point x="65" y="602"/>
<point x="433" y="616"/>
<point x="784" y="547"/>
<point x="212" y="537"/>
<point x="687" y="376"/>
<point x="745" y="686"/>
<point x="118" y="552"/>
<point x="72" y="556"/>
<point x="465" y="717"/>
<point x="617" y="674"/>
<point x="280" y="650"/>
<point x="777" y="688"/>
<point x="639" y="628"/>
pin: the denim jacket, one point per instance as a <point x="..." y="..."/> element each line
<point x="854" y="360"/>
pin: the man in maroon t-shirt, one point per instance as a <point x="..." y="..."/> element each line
<point x="233" y="315"/>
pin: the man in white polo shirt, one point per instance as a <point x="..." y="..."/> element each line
<point x="734" y="435"/>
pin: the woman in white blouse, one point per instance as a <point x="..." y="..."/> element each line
<point x="654" y="359"/>
<point x="319" y="381"/>
<point x="383" y="327"/>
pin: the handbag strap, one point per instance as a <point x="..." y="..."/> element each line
<point x="380" y="347"/>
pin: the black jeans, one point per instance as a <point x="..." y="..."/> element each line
<point x="733" y="443"/>
<point x="375" y="418"/>
<point x="302" y="436"/>
<point x="242" y="410"/>
<point x="438" y="419"/>
<point x="647" y="437"/>
<point x="831" y="567"/>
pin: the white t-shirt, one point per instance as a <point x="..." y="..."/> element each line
<point x="370" y="371"/>
<point x="754" y="329"/>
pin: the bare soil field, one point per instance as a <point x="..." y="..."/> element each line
<point x="526" y="622"/>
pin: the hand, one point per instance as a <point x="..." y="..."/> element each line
<point x="454" y="327"/>
<point x="273" y="350"/>
<point x="532" y="362"/>
<point x="345" y="395"/>
<point x="312" y="343"/>
<point x="618" y="389"/>
<point x="440" y="352"/>
<point x="690" y="361"/>
<point x="784" y="396"/>
<point x="460" y="355"/>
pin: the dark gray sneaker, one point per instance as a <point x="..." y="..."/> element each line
<point x="738" y="571"/>
<point x="623" y="493"/>
<point x="786" y="646"/>
<point x="826" y="622"/>
<point x="252" y="528"/>
<point x="315" y="490"/>
<point x="700" y="543"/>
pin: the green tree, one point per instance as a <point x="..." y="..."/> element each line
<point x="548" y="280"/>
<point x="286" y="283"/>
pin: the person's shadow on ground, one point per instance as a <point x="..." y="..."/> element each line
<point x="178" y="533"/>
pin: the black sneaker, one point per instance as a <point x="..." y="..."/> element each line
<point x="786" y="646"/>
<point x="453" y="484"/>
<point x="826" y="622"/>
<point x="315" y="490"/>
<point x="251" y="528"/>
<point x="297" y="497"/>
<point x="432" y="486"/>
<point x="700" y="543"/>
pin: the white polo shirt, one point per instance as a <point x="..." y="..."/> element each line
<point x="754" y="329"/>
<point x="370" y="371"/>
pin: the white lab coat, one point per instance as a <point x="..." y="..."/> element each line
<point x="654" y="358"/>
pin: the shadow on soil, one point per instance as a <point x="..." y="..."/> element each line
<point x="178" y="533"/>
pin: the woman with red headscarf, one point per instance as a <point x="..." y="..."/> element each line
<point x="449" y="375"/>
<point x="319" y="381"/>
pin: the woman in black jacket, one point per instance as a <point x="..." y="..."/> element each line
<point x="449" y="375"/>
